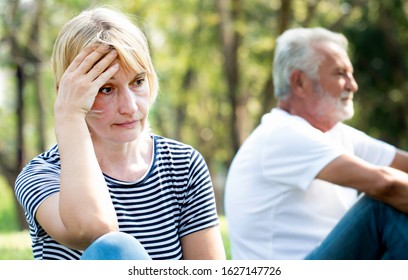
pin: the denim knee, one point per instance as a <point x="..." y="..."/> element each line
<point x="115" y="246"/>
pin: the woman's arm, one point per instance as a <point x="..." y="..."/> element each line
<point x="83" y="209"/>
<point x="203" y="245"/>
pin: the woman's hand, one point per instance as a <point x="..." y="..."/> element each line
<point x="82" y="210"/>
<point x="80" y="83"/>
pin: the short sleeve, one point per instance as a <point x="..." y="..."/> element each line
<point x="199" y="208"/>
<point x="296" y="156"/>
<point x="37" y="181"/>
<point x="360" y="144"/>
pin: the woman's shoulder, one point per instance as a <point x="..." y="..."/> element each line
<point x="41" y="173"/>
<point x="48" y="160"/>
<point x="162" y="142"/>
<point x="166" y="148"/>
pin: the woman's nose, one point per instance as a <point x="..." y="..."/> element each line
<point x="127" y="102"/>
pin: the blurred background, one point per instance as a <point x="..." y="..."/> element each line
<point x="213" y="59"/>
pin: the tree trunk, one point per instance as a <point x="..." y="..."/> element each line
<point x="267" y="94"/>
<point x="23" y="53"/>
<point x="37" y="61"/>
<point x="229" y="11"/>
<point x="20" y="141"/>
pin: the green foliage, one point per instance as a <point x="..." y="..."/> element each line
<point x="380" y="61"/>
<point x="8" y="218"/>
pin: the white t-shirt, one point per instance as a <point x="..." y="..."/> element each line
<point x="275" y="207"/>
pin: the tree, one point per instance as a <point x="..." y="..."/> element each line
<point x="25" y="53"/>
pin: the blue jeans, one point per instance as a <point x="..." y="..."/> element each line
<point x="369" y="230"/>
<point x="115" y="246"/>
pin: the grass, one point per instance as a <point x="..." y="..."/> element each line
<point x="17" y="245"/>
<point x="225" y="236"/>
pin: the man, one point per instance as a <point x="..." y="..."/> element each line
<point x="299" y="173"/>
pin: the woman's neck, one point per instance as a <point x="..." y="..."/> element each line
<point x="127" y="161"/>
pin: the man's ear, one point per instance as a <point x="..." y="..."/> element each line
<point x="297" y="82"/>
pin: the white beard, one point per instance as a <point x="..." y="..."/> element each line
<point x="341" y="108"/>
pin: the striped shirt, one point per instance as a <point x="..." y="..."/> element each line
<point x="175" y="198"/>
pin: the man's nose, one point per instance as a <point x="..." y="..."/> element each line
<point x="352" y="84"/>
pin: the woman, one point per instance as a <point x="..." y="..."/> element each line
<point x="110" y="189"/>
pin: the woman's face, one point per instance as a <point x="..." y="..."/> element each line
<point x="123" y="106"/>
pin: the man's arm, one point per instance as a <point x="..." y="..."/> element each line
<point x="386" y="184"/>
<point x="400" y="161"/>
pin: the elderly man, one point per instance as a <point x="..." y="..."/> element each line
<point x="291" y="191"/>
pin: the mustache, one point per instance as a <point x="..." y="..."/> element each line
<point x="346" y="95"/>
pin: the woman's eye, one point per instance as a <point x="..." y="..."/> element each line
<point x="139" y="82"/>
<point x="105" y="90"/>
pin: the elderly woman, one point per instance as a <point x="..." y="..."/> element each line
<point x="109" y="188"/>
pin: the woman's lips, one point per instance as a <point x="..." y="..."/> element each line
<point x="127" y="124"/>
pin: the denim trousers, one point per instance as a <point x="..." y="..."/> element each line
<point x="115" y="246"/>
<point x="370" y="230"/>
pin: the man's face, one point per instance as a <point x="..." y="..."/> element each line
<point x="335" y="86"/>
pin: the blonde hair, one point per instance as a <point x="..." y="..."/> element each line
<point x="108" y="26"/>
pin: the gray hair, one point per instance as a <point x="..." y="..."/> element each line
<point x="295" y="50"/>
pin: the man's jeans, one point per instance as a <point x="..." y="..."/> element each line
<point x="115" y="246"/>
<point x="369" y="230"/>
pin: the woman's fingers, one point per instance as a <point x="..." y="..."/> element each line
<point x="101" y="79"/>
<point x="93" y="59"/>
<point x="90" y="69"/>
<point x="80" y="57"/>
<point x="101" y="65"/>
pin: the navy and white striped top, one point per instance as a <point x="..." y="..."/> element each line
<point x="174" y="198"/>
